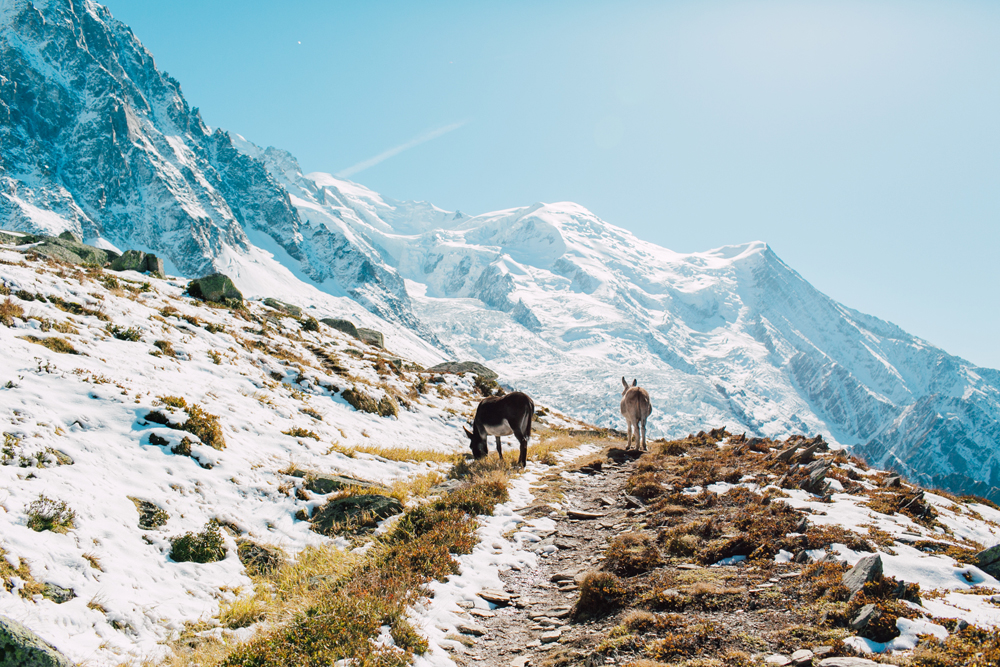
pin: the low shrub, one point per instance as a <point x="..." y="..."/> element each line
<point x="631" y="554"/>
<point x="259" y="559"/>
<point x="387" y="406"/>
<point x="601" y="593"/>
<point x="174" y="401"/>
<point x="47" y="514"/>
<point x="206" y="426"/>
<point x="165" y="347"/>
<point x="310" y="324"/>
<point x="204" y="547"/>
<point x="132" y="334"/>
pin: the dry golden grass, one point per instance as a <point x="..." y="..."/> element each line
<point x="404" y="453"/>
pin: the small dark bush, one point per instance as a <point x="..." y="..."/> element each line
<point x="387" y="407"/>
<point x="132" y="334"/>
<point x="360" y="401"/>
<point x="166" y="347"/>
<point x="8" y="311"/>
<point x="310" y="324"/>
<point x="601" y="593"/>
<point x="259" y="559"/>
<point x="204" y="547"/>
<point x="631" y="554"/>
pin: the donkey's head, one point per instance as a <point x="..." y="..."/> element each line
<point x="627" y="386"/>
<point x="477" y="443"/>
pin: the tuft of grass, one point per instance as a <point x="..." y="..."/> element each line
<point x="48" y="514"/>
<point x="204" y="425"/>
<point x="54" y="343"/>
<point x="94" y="561"/>
<point x="260" y="559"/>
<point x="299" y="432"/>
<point x="601" y="593"/>
<point x="388" y="407"/>
<point x="9" y="311"/>
<point x="215" y="357"/>
<point x="204" y="547"/>
<point x="174" y="401"/>
<point x="165" y="347"/>
<point x="360" y="401"/>
<point x="242" y="612"/>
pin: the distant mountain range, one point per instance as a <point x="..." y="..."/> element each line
<point x="98" y="141"/>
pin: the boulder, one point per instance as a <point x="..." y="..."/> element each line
<point x="866" y="615"/>
<point x="69" y="236"/>
<point x="342" y="510"/>
<point x="989" y="561"/>
<point x="20" y="647"/>
<point x="130" y="260"/>
<point x="154" y="264"/>
<point x="867" y="569"/>
<point x="294" y="311"/>
<point x="462" y="367"/>
<point x="72" y="251"/>
<point x="372" y="337"/>
<point x="341" y="325"/>
<point x="215" y="287"/>
<point x="321" y="483"/>
<point x="57" y="594"/>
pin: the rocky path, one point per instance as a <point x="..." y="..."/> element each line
<point x="528" y="622"/>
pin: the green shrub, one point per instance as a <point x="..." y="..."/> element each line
<point x="204" y="547"/>
<point x="47" y="514"/>
<point x="132" y="334"/>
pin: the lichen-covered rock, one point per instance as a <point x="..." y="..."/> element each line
<point x="130" y="260"/>
<point x="989" y="560"/>
<point x="294" y="311"/>
<point x="320" y="483"/>
<point x="346" y="326"/>
<point x="216" y="287"/>
<point x="154" y="264"/>
<point x="20" y="647"/>
<point x="57" y="593"/>
<point x="354" y="511"/>
<point x="462" y="367"/>
<point x="372" y="337"/>
<point x="74" y="252"/>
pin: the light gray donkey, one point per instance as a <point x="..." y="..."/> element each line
<point x="636" y="409"/>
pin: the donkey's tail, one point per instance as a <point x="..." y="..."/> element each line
<point x="531" y="418"/>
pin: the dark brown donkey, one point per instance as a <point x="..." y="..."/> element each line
<point x="502" y="415"/>
<point x="636" y="409"/>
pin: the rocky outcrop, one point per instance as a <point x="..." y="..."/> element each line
<point x="20" y="647"/>
<point x="216" y="287"/>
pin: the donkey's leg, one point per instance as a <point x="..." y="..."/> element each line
<point x="523" y="460"/>
<point x="629" y="445"/>
<point x="499" y="448"/>
<point x="643" y="423"/>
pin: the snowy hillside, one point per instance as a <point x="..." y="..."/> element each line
<point x="97" y="140"/>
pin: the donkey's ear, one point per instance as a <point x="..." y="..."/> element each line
<point x="624" y="382"/>
<point x="467" y="432"/>
<point x="635" y="382"/>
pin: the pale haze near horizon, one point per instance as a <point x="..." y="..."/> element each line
<point x="861" y="140"/>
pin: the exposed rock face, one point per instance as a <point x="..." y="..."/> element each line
<point x="866" y="570"/>
<point x="372" y="337"/>
<point x="461" y="367"/>
<point x="346" y="326"/>
<point x="20" y="647"/>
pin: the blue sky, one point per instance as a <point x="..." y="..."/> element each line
<point x="861" y="140"/>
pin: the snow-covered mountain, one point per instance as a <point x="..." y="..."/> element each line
<point x="97" y="140"/>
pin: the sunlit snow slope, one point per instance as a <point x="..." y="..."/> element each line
<point x="561" y="303"/>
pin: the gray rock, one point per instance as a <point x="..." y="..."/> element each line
<point x="71" y="251"/>
<point x="470" y="628"/>
<point x="341" y="510"/>
<point x="283" y="307"/>
<point x="866" y="570"/>
<point x="130" y="260"/>
<point x="550" y="636"/>
<point x="497" y="597"/>
<point x="57" y="594"/>
<point x="893" y="482"/>
<point x="777" y="659"/>
<point x="154" y="264"/>
<point x="866" y="615"/>
<point x="323" y="483"/>
<point x="988" y="557"/>
<point x="215" y="287"/>
<point x="346" y="326"/>
<point x="462" y="367"/>
<point x="372" y="337"/>
<point x="20" y="647"/>
<point x="580" y="514"/>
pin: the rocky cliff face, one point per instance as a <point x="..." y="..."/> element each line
<point x="98" y="141"/>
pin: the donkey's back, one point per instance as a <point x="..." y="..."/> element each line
<point x="636" y="408"/>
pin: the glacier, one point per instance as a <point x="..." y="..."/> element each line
<point x="98" y="141"/>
